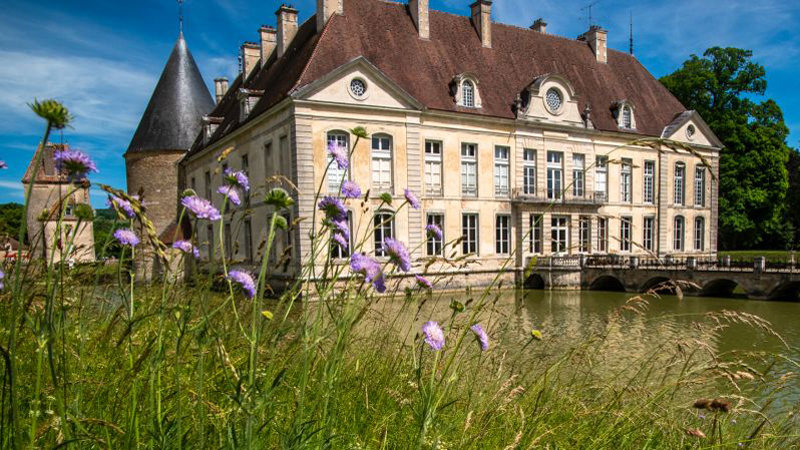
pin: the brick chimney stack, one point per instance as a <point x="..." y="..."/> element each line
<point x="327" y="8"/>
<point x="220" y="88"/>
<point x="539" y="26"/>
<point x="249" y="57"/>
<point x="269" y="40"/>
<point x="597" y="38"/>
<point x="482" y="21"/>
<point x="420" y="13"/>
<point x="287" y="27"/>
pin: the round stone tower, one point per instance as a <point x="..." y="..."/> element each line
<point x="170" y="124"/>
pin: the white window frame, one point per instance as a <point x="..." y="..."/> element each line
<point x="625" y="234"/>
<point x="602" y="235"/>
<point x="536" y="222"/>
<point x="626" y="181"/>
<point x="529" y="171"/>
<point x="559" y="234"/>
<point x="678" y="233"/>
<point x="700" y="233"/>
<point x="336" y="175"/>
<point x="578" y="175"/>
<point x="679" y="194"/>
<point x="555" y="174"/>
<point x="468" y="94"/>
<point x="433" y="245"/>
<point x="649" y="182"/>
<point x="502" y="159"/>
<point x="382" y="162"/>
<point x="382" y="230"/>
<point x="648" y="233"/>
<point x="502" y="237"/>
<point x="433" y="167"/>
<point x="470" y="230"/>
<point x="601" y="176"/>
<point x="700" y="186"/>
<point x="469" y="169"/>
<point x="584" y="234"/>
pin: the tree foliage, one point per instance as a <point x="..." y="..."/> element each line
<point x="10" y="219"/>
<point x="753" y="176"/>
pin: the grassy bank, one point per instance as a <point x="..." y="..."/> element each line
<point x="778" y="255"/>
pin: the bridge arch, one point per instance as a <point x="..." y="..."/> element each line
<point x="789" y="290"/>
<point x="534" y="281"/>
<point x="720" y="287"/>
<point x="653" y="283"/>
<point x="607" y="283"/>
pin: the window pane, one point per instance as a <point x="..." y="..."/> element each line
<point x="434" y="245"/>
<point x="384" y="228"/>
<point x="502" y="234"/>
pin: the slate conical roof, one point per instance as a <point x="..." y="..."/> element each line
<point x="173" y="117"/>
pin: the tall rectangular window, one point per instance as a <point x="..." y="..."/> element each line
<point x="578" y="175"/>
<point x="601" y="177"/>
<point x="210" y="239"/>
<point x="529" y="172"/>
<point x="536" y="224"/>
<point x="469" y="170"/>
<point x="228" y="241"/>
<point x="193" y="184"/>
<point x="585" y="234"/>
<point x="246" y="170"/>
<point x="207" y="182"/>
<point x="502" y="242"/>
<point x="559" y="234"/>
<point x="384" y="228"/>
<point x="625" y="234"/>
<point x="699" y="234"/>
<point x="382" y="162"/>
<point x="700" y="186"/>
<point x="248" y="240"/>
<point x="335" y="175"/>
<point x="434" y="244"/>
<point x="555" y="174"/>
<point x="501" y="157"/>
<point x="269" y="163"/>
<point x="649" y="181"/>
<point x="337" y="251"/>
<point x="469" y="231"/>
<point x="284" y="156"/>
<point x="433" y="168"/>
<point x="626" y="177"/>
<point x="602" y="235"/>
<point x="679" y="230"/>
<point x="680" y="183"/>
<point x="649" y="232"/>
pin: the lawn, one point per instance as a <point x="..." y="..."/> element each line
<point x="750" y="254"/>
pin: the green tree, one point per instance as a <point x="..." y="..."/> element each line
<point x="10" y="219"/>
<point x="753" y="177"/>
<point x="793" y="198"/>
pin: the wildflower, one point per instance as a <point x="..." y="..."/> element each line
<point x="411" y="198"/>
<point x="53" y="112"/>
<point x="339" y="154"/>
<point x="434" y="231"/>
<point x="350" y="189"/>
<point x="2" y="276"/>
<point x="3" y="164"/>
<point x="434" y="336"/>
<point x="423" y="282"/>
<point x="398" y="254"/>
<point x="74" y="162"/>
<point x="126" y="237"/>
<point x="333" y="208"/>
<point x="342" y="227"/>
<point x="279" y="198"/>
<point x="201" y="208"/>
<point x="341" y="240"/>
<point x="369" y="268"/>
<point x="481" y="335"/>
<point x="120" y="203"/>
<point x="238" y="179"/>
<point x="231" y="193"/>
<point x="244" y="280"/>
<point x="187" y="247"/>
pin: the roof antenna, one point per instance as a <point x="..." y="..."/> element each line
<point x="631" y="47"/>
<point x="180" y="16"/>
<point x="589" y="9"/>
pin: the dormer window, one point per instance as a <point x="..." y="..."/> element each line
<point x="466" y="91"/>
<point x="624" y="113"/>
<point x="627" y="117"/>
<point x="554" y="100"/>
<point x="210" y="125"/>
<point x="247" y="101"/>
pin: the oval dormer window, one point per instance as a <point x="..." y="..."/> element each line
<point x="358" y="87"/>
<point x="554" y="100"/>
<point x="690" y="130"/>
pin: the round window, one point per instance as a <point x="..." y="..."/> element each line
<point x="554" y="99"/>
<point x="358" y="87"/>
<point x="690" y="130"/>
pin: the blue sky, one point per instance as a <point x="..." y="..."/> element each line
<point x="103" y="58"/>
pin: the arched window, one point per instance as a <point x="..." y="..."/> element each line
<point x="383" y="223"/>
<point x="679" y="231"/>
<point x="467" y="94"/>
<point x="382" y="162"/>
<point x="335" y="174"/>
<point x="627" y="117"/>
<point x="699" y="233"/>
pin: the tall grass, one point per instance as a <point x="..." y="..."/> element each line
<point x="331" y="363"/>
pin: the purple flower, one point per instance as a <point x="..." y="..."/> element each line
<point x="244" y="280"/>
<point x="333" y="208"/>
<point x="76" y="163"/>
<point x="364" y="265"/>
<point x="2" y="276"/>
<point x="423" y="282"/>
<point x="237" y="179"/>
<point x="231" y="193"/>
<point x="341" y="240"/>
<point x="201" y="208"/>
<point x="339" y="154"/>
<point x="434" y="336"/>
<point x="434" y="231"/>
<point x="187" y="247"/>
<point x="411" y="198"/>
<point x="481" y="336"/>
<point x="120" y="203"/>
<point x="350" y="189"/>
<point x="126" y="237"/>
<point x="341" y="227"/>
<point x="398" y="254"/>
<point x="3" y="164"/>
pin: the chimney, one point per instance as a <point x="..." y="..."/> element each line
<point x="287" y="27"/>
<point x="327" y="8"/>
<point x="249" y="58"/>
<point x="482" y="20"/>
<point x="269" y="39"/>
<point x="597" y="38"/>
<point x="220" y="88"/>
<point x="540" y="26"/>
<point x="419" y="13"/>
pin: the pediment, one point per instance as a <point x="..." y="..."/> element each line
<point x="689" y="128"/>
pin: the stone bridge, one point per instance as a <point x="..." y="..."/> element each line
<point x="757" y="278"/>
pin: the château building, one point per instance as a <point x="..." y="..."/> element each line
<point x="511" y="137"/>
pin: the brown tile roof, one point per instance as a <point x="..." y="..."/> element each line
<point x="384" y="34"/>
<point x="47" y="170"/>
